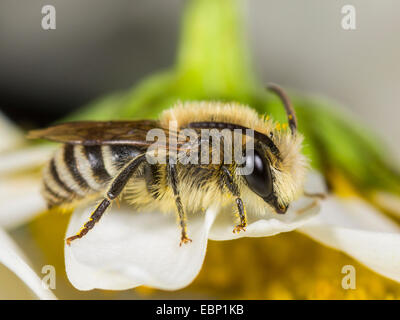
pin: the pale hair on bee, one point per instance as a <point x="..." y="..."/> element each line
<point x="107" y="160"/>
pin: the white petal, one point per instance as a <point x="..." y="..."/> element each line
<point x="14" y="260"/>
<point x="127" y="249"/>
<point x="357" y="229"/>
<point x="270" y="224"/>
<point x="25" y="159"/>
<point x="20" y="200"/>
<point x="11" y="136"/>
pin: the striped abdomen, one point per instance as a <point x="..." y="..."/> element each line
<point x="76" y="171"/>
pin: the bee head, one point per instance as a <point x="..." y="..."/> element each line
<point x="276" y="178"/>
<point x="276" y="165"/>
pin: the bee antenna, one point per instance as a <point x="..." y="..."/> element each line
<point x="291" y="115"/>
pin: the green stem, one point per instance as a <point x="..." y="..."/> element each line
<point x="212" y="57"/>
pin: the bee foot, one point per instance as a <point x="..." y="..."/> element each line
<point x="238" y="228"/>
<point x="70" y="239"/>
<point x="185" y="240"/>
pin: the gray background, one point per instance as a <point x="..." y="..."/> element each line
<point x="100" y="46"/>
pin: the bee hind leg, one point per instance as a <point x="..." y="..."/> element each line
<point x="94" y="217"/>
<point x="117" y="186"/>
<point x="234" y="189"/>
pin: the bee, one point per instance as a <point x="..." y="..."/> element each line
<point x="107" y="160"/>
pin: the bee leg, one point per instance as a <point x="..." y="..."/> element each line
<point x="234" y="189"/>
<point x="94" y="217"/>
<point x="242" y="215"/>
<point x="117" y="185"/>
<point x="181" y="213"/>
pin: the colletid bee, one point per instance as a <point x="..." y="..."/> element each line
<point x="108" y="159"/>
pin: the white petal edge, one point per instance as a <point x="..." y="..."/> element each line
<point x="300" y="212"/>
<point x="20" y="196"/>
<point x="126" y="249"/>
<point x="25" y="159"/>
<point x="356" y="228"/>
<point x="20" y="200"/>
<point x="11" y="136"/>
<point x="270" y="223"/>
<point x="14" y="260"/>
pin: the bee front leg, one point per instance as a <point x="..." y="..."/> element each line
<point x="172" y="174"/>
<point x="117" y="185"/>
<point x="234" y="189"/>
<point x="242" y="215"/>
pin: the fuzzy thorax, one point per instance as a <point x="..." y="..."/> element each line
<point x="288" y="171"/>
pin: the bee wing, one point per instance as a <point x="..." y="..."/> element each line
<point x="91" y="133"/>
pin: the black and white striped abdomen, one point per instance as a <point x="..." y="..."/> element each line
<point x="76" y="171"/>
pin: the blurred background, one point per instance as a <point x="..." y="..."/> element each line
<point x="100" y="47"/>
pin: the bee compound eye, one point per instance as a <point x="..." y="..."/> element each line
<point x="259" y="178"/>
